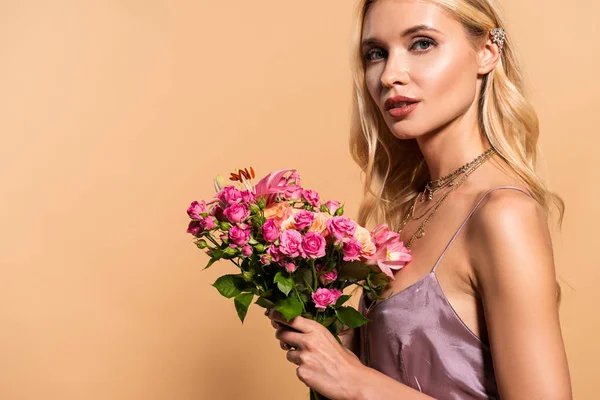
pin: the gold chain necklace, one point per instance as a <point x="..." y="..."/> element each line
<point x="420" y="232"/>
<point x="434" y="186"/>
<point x="471" y="165"/>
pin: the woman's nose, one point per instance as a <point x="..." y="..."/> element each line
<point x="395" y="73"/>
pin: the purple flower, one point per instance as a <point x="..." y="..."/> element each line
<point x="270" y="230"/>
<point x="311" y="196"/>
<point x="303" y="219"/>
<point x="239" y="235"/>
<point x="313" y="245"/>
<point x="290" y="243"/>
<point x="237" y="213"/>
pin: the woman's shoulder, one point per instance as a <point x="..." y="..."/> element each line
<point x="509" y="227"/>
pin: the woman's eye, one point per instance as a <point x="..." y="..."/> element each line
<point x="372" y="54"/>
<point x="422" y="44"/>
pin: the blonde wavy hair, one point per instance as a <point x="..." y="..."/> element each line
<point x="394" y="170"/>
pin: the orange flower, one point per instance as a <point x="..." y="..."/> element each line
<point x="364" y="237"/>
<point x="278" y="211"/>
<point x="319" y="225"/>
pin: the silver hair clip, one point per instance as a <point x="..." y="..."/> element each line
<point x="498" y="37"/>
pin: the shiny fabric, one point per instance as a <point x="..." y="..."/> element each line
<point x="416" y="338"/>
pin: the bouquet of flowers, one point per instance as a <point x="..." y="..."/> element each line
<point x="294" y="253"/>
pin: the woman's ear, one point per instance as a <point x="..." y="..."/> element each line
<point x="487" y="57"/>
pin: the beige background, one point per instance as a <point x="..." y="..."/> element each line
<point x="116" y="114"/>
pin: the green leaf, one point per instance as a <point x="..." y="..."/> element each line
<point x="290" y="307"/>
<point x="261" y="301"/>
<point x="211" y="262"/>
<point x="342" y="300"/>
<point x="350" y="317"/>
<point x="283" y="283"/>
<point x="354" y="269"/>
<point x="241" y="302"/>
<point x="242" y="285"/>
<point x="328" y="321"/>
<point x="226" y="286"/>
<point x="304" y="276"/>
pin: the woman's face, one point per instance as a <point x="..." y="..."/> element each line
<point x="413" y="48"/>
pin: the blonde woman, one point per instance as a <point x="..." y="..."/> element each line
<point x="447" y="144"/>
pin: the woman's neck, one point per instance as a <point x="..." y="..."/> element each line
<point x="450" y="148"/>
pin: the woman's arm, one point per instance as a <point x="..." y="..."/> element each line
<point x="514" y="271"/>
<point x="350" y="338"/>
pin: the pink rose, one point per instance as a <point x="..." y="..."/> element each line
<point x="265" y="259"/>
<point x="313" y="245"/>
<point x="324" y="297"/>
<point x="290" y="267"/>
<point x="217" y="212"/>
<point x="303" y="219"/>
<point x="210" y="222"/>
<point x="341" y="227"/>
<point x="195" y="209"/>
<point x="247" y="251"/>
<point x="294" y="178"/>
<point x="229" y="195"/>
<point x="333" y="206"/>
<point x="328" y="277"/>
<point x="292" y="192"/>
<point x="311" y="197"/>
<point x="195" y="228"/>
<point x="239" y="235"/>
<point x="290" y="243"/>
<point x="237" y="213"/>
<point x="351" y="249"/>
<point x="248" y="197"/>
<point x="274" y="253"/>
<point x="270" y="230"/>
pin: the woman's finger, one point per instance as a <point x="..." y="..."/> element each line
<point x="293" y="356"/>
<point x="285" y="346"/>
<point x="289" y="336"/>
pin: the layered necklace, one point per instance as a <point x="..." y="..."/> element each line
<point x="453" y="180"/>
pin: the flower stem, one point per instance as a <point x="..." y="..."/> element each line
<point x="299" y="298"/>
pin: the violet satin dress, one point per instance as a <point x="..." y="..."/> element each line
<point x="416" y="337"/>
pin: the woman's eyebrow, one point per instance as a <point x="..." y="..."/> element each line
<point x="407" y="32"/>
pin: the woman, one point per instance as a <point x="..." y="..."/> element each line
<point x="447" y="143"/>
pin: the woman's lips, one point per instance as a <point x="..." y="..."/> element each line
<point x="401" y="112"/>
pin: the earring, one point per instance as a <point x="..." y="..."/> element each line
<point x="498" y="36"/>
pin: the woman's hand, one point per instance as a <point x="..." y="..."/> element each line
<point x="323" y="364"/>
